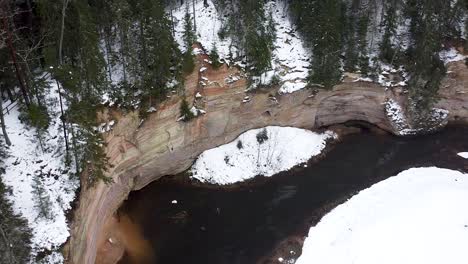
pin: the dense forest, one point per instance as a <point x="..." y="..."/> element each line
<point x="126" y="52"/>
<point x="83" y="44"/>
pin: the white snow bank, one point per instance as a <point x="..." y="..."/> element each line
<point x="291" y="87"/>
<point x="418" y="216"/>
<point x="451" y="55"/>
<point x="463" y="155"/>
<point x="26" y="162"/>
<point x="245" y="157"/>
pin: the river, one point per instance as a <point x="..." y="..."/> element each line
<point x="185" y="222"/>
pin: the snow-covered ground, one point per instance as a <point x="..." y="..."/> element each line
<point x="451" y="55"/>
<point x="399" y="121"/>
<point x="264" y="151"/>
<point x="209" y="22"/>
<point x="291" y="56"/>
<point x="463" y="155"/>
<point x="28" y="161"/>
<point x="418" y="216"/>
<point x="290" y="59"/>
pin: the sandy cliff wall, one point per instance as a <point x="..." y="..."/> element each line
<point x="162" y="146"/>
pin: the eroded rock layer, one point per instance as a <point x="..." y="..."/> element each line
<point x="143" y="152"/>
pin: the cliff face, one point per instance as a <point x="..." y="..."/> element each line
<point x="162" y="146"/>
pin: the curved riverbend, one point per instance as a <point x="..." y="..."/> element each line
<point x="249" y="223"/>
<point x="161" y="146"/>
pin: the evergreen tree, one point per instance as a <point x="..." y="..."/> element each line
<point x="42" y="200"/>
<point x="389" y="24"/>
<point x="188" y="63"/>
<point x="350" y="36"/>
<point x="325" y="36"/>
<point x="189" y="34"/>
<point x="214" y="56"/>
<point x="252" y="31"/>
<point x="185" y="112"/>
<point x="362" y="30"/>
<point x="424" y="64"/>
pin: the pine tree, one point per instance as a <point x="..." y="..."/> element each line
<point x="251" y="30"/>
<point x="188" y="63"/>
<point x="258" y="38"/>
<point x="424" y="64"/>
<point x="362" y="30"/>
<point x="389" y="23"/>
<point x="188" y="34"/>
<point x="325" y="36"/>
<point x="214" y="56"/>
<point x="42" y="200"/>
<point x="350" y="36"/>
<point x="185" y="112"/>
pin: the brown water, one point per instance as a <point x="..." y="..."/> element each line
<point x="242" y="225"/>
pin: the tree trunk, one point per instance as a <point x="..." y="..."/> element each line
<point x="172" y="23"/>
<point x="10" y="94"/>
<point x="123" y="45"/>
<point x="2" y="121"/>
<point x="194" y="20"/>
<point x="62" y="117"/>
<point x="143" y="48"/>
<point x="107" y="40"/>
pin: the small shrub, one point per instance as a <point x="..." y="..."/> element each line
<point x="262" y="136"/>
<point x="275" y="80"/>
<point x="188" y="63"/>
<point x="36" y="116"/>
<point x="185" y="111"/>
<point x="43" y="204"/>
<point x="214" y="56"/>
<point x="223" y="32"/>
<point x="240" y="145"/>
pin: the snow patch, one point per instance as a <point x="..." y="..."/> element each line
<point x="264" y="151"/>
<point x="451" y="55"/>
<point x="417" y="216"/>
<point x="291" y="87"/>
<point x="463" y="155"/>
<point x="401" y="126"/>
<point x="209" y="22"/>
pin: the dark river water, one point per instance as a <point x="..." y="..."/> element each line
<point x="245" y="224"/>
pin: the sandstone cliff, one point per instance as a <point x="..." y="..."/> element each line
<point x="162" y="146"/>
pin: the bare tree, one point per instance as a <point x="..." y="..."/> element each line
<point x="2" y="120"/>
<point x="60" y="55"/>
<point x="194" y="20"/>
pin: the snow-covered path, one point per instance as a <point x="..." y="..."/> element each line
<point x="419" y="216"/>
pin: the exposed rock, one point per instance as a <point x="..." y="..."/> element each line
<point x="161" y="146"/>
